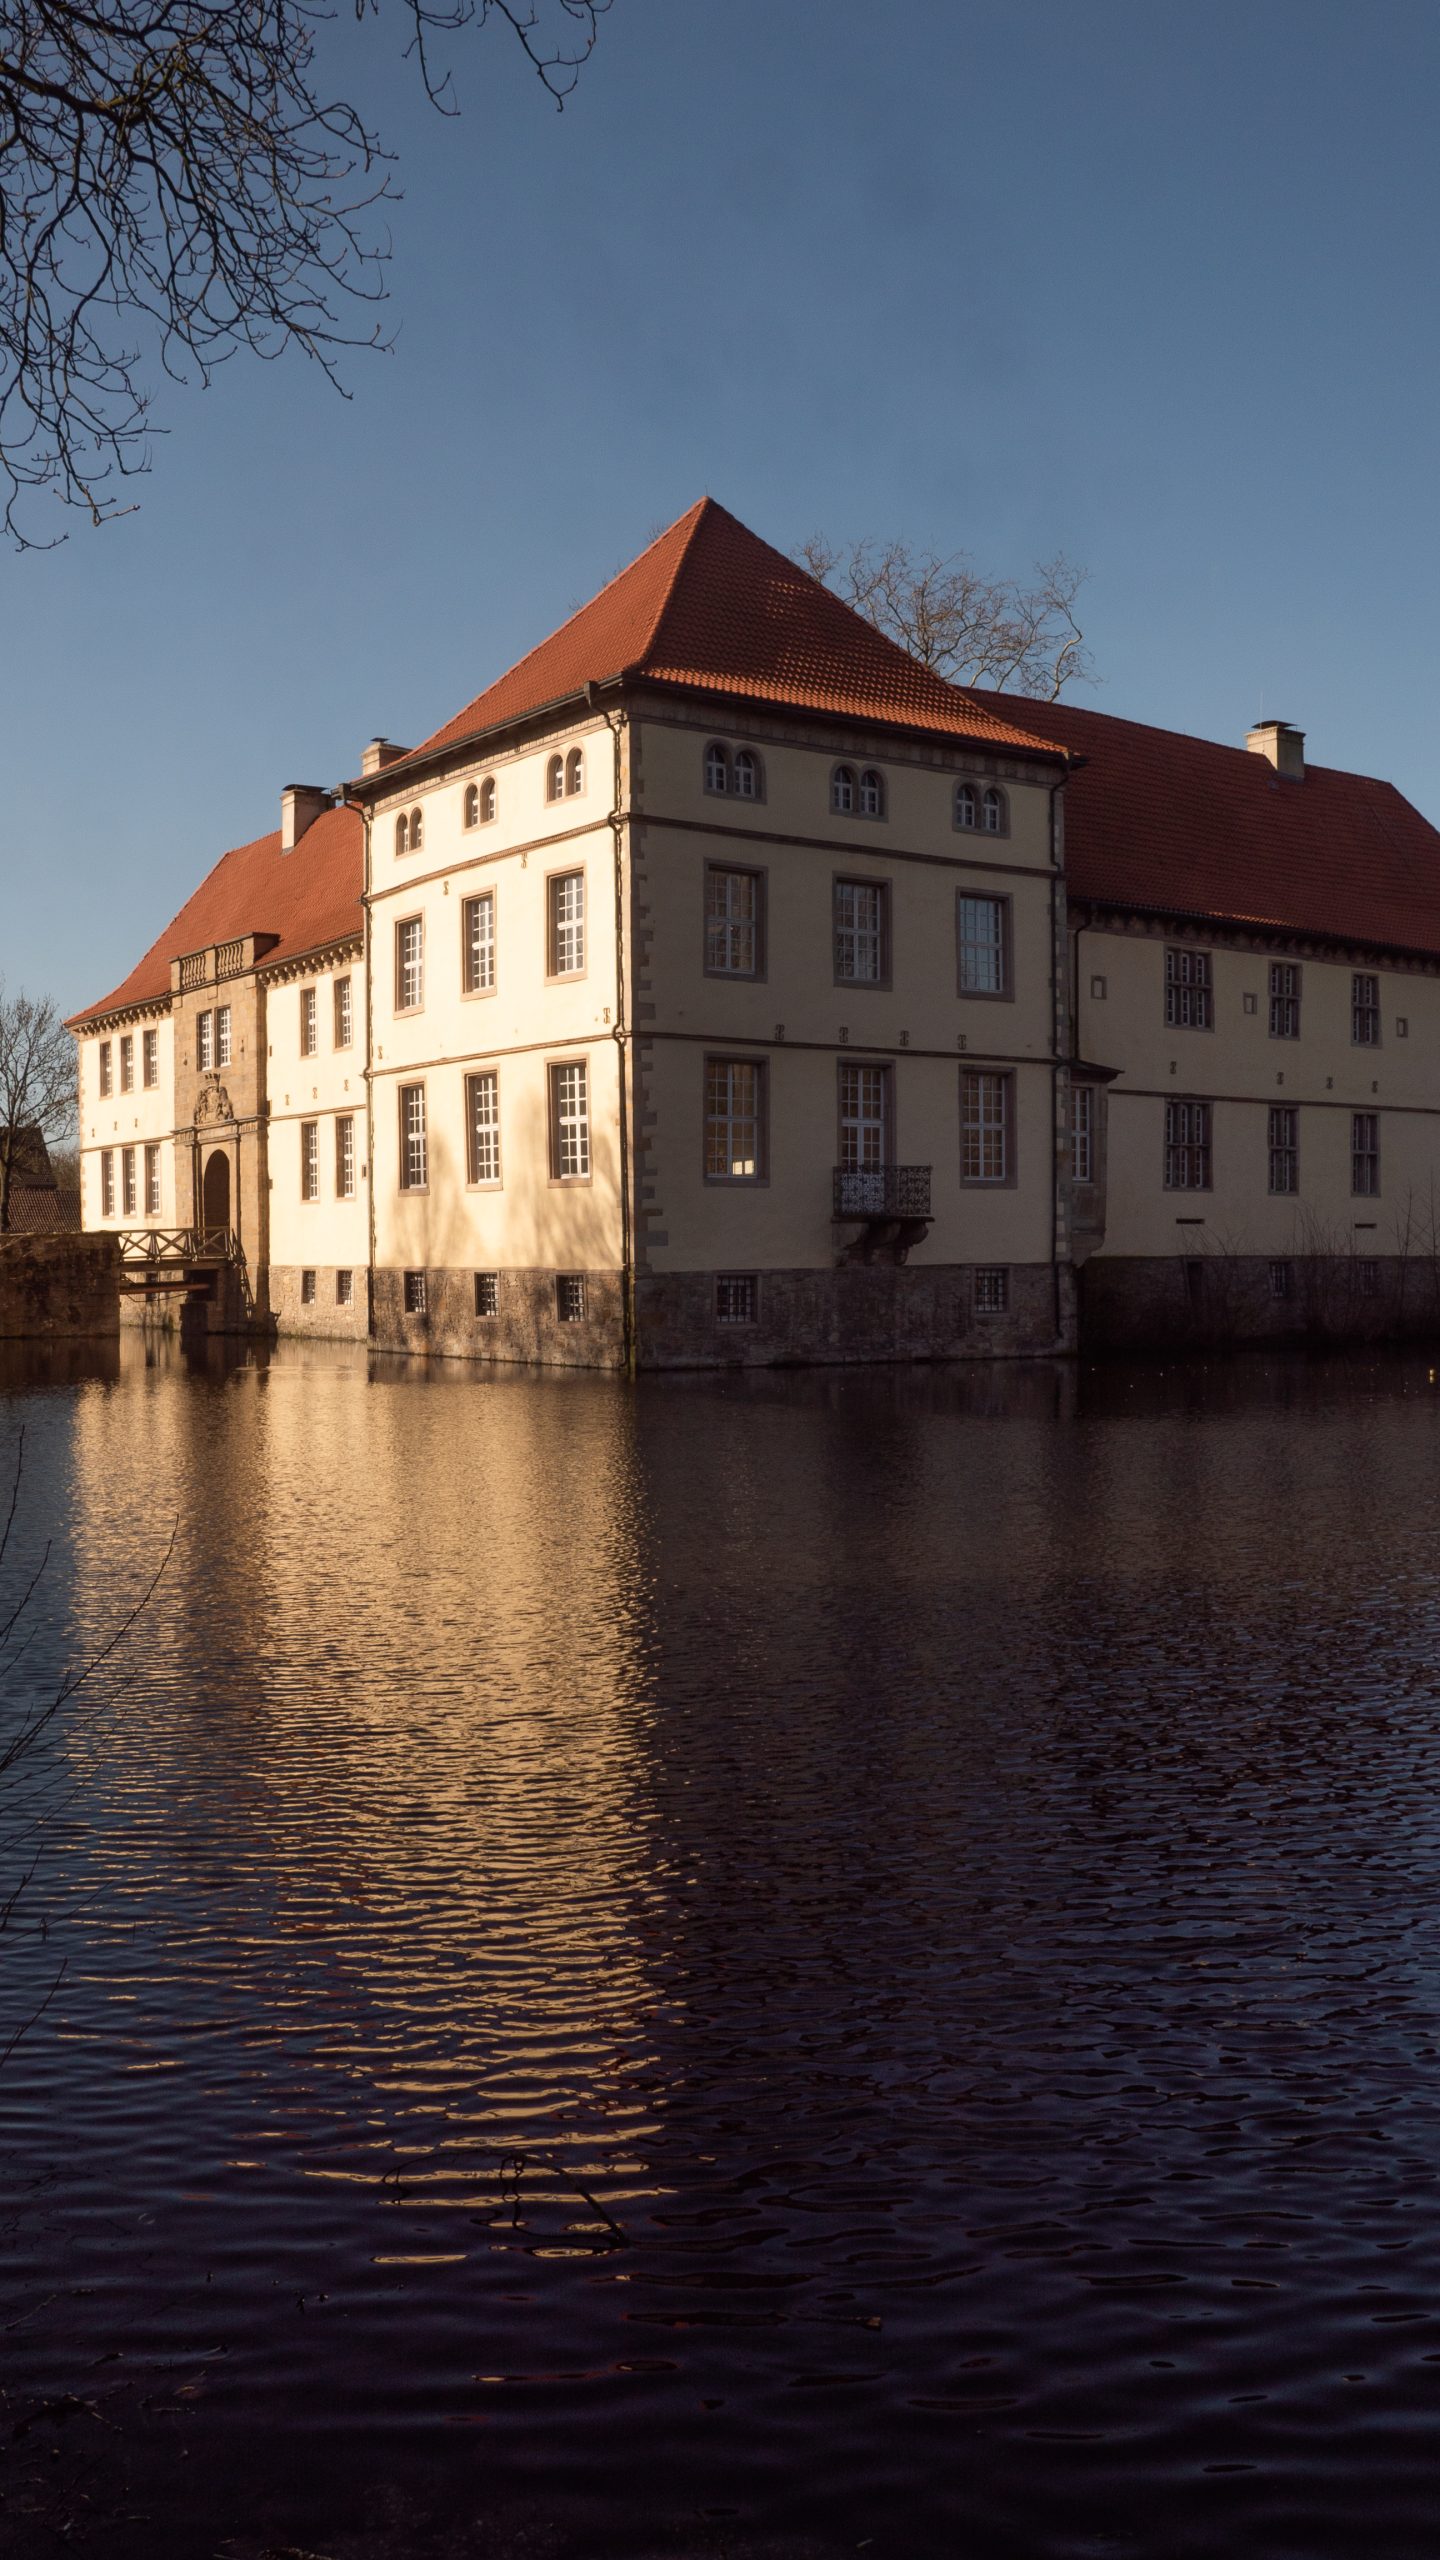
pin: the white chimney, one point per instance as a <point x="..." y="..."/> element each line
<point x="378" y="754"/>
<point x="1284" y="746"/>
<point x="300" y="805"/>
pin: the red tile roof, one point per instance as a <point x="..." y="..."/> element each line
<point x="43" y="1210"/>
<point x="305" y="898"/>
<point x="713" y="608"/>
<point x="1182" y="826"/>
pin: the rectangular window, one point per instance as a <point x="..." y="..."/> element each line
<point x="734" y="922"/>
<point x="222" y="1035"/>
<point x="204" y="1042"/>
<point x="1365" y="1153"/>
<point x="150" y="1056"/>
<point x="482" y="1120"/>
<point x="567" y="924"/>
<point x="734" y="1120"/>
<point x="1082" y="1132"/>
<point x="309" y="1023"/>
<point x="570" y="1296"/>
<point x="864" y="1119"/>
<point x="127" y="1181"/>
<point x="1282" y="1280"/>
<point x="737" y="1297"/>
<point x="992" y="1292"/>
<point x="862" y="933"/>
<point x="487" y="1293"/>
<point x="1284" y="1147"/>
<point x="344" y="1288"/>
<point x="477" y="924"/>
<point x="410" y="965"/>
<point x="1365" y="1010"/>
<point x="1187" y="1146"/>
<point x="307" y="1288"/>
<point x="309" y="1159"/>
<point x="107" y="1183"/>
<point x="345" y="1156"/>
<point x="984" y="932"/>
<point x="570" y="1122"/>
<point x="984" y="1126"/>
<point x="344" y="1013"/>
<point x="105" y="1077"/>
<point x="1189" y="991"/>
<point x="414" y="1155"/>
<point x="1284" y="999"/>
<point x="152" y="1182"/>
<point x="127" y="1062"/>
<point x="1369" y="1279"/>
<point x="415" y="1299"/>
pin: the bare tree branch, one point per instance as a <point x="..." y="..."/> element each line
<point x="971" y="630"/>
<point x="37" y="1082"/>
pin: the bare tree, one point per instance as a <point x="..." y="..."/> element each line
<point x="176" y="184"/>
<point x="37" y="1081"/>
<point x="970" y="629"/>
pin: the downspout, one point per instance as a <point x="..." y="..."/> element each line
<point x="1057" y="884"/>
<point x="616" y="824"/>
<point x="367" y="945"/>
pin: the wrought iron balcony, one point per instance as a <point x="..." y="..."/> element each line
<point x="882" y="1191"/>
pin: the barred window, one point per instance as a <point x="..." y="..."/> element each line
<point x="1284" y="999"/>
<point x="107" y="1183"/>
<point x="344" y="1013"/>
<point x="1082" y="1132"/>
<point x="992" y="1292"/>
<point x="477" y="921"/>
<point x="309" y="1159"/>
<point x="105" y="1082"/>
<point x="127" y="1062"/>
<point x="152" y="1182"/>
<point x="733" y="918"/>
<point x="307" y="1288"/>
<point x="570" y="1122"/>
<point x="482" y="1119"/>
<point x="205" y="1042"/>
<point x="345" y="1157"/>
<point x="734" y="1119"/>
<point x="567" y="924"/>
<point x="983" y="926"/>
<point x="150" y="1053"/>
<point x="1365" y="1009"/>
<point x="984" y="1125"/>
<point x="1189" y="990"/>
<point x="737" y="1297"/>
<point x="864" y="1118"/>
<point x="222" y="1035"/>
<point x="570" y="1296"/>
<point x="410" y="964"/>
<point x="1365" y="1153"/>
<point x="414" y="1151"/>
<point x="1284" y="1147"/>
<point x="1282" y="1279"/>
<point x="487" y="1293"/>
<point x="862" y="932"/>
<point x="309" y="1023"/>
<point x="1187" y="1146"/>
<point x="127" y="1181"/>
<point x="416" y="1295"/>
<point x="344" y="1288"/>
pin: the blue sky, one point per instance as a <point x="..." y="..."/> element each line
<point x="1157" y="285"/>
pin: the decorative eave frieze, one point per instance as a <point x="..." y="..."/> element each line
<point x="1225" y="933"/>
<point x="86" y="1026"/>
<point x="309" y="964"/>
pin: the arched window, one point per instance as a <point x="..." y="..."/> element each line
<point x="717" y="767"/>
<point x="417" y="829"/>
<point x="747" y="775"/>
<point x="487" y="799"/>
<point x="872" y="794"/>
<point x="472" y="805"/>
<point x="842" y="791"/>
<point x="575" y="771"/>
<point x="993" y="806"/>
<point x="555" y="778"/>
<point x="964" y="804"/>
<point x="402" y="833"/>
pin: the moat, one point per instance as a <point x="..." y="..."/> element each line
<point x="775" y="1965"/>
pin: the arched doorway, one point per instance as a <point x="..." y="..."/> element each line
<point x="215" y="1190"/>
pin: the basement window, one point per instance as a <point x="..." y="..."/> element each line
<point x="992" y="1292"/>
<point x="737" y="1297"/>
<point x="307" y="1288"/>
<point x="570" y="1297"/>
<point x="487" y="1293"/>
<point x="415" y="1293"/>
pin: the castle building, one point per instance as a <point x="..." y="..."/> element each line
<point x="721" y="985"/>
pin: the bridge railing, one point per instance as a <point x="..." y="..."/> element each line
<point x="176" y="1246"/>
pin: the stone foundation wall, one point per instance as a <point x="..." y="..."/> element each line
<point x="1168" y="1303"/>
<point x="526" y="1327"/>
<point x="59" y="1288"/>
<point x="858" y="1311"/>
<point x="322" y="1320"/>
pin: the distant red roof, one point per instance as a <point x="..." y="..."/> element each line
<point x="713" y="608"/>
<point x="305" y="898"/>
<point x="1185" y="827"/>
<point x="43" y="1210"/>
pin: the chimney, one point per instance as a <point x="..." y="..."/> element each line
<point x="378" y="754"/>
<point x="1284" y="746"/>
<point x="300" y="805"/>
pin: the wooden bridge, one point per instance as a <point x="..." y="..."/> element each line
<point x="175" y="1257"/>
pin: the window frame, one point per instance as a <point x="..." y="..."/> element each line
<point x="754" y="763"/>
<point x="150" y="1060"/>
<point x="488" y="1284"/>
<point x="107" y="1182"/>
<point x="1282" y="998"/>
<point x="1189" y="987"/>
<point x="844" y="791"/>
<point x="415" y="1293"/>
<point x="970" y="1071"/>
<point x="403" y="1093"/>
<point x="994" y="795"/>
<point x="346" y="1158"/>
<point x="716" y="760"/>
<point x="1082" y="1136"/>
<point x="759" y="874"/>
<point x="1361" y="1009"/>
<point x="555" y="977"/>
<point x="470" y="807"/>
<point x="575" y="773"/>
<point x="747" y="1280"/>
<point x="309" y="1021"/>
<point x="403" y="925"/>
<point x="205" y="1043"/>
<point x="1368" y="1156"/>
<point x="555" y="1068"/>
<point x="127" y="1061"/>
<point x="417" y="829"/>
<point x="468" y="988"/>
<point x="105" y="1070"/>
<point x="965" y="783"/>
<point x="575" y="1280"/>
<point x="554" y="779"/>
<point x="476" y="1076"/>
<point x="871" y="779"/>
<point x="1200" y="1147"/>
<point x="224" y="1036"/>
<point x="1005" y="992"/>
<point x="1282" y="1149"/>
<point x="129" y="1183"/>
<point x="345" y="1287"/>
<point x="883" y="981"/>
<point x="152" y="1178"/>
<point x="310" y="1161"/>
<point x="884" y="1069"/>
<point x="981" y="1303"/>
<point x="727" y="1060"/>
<point x="342" y="1011"/>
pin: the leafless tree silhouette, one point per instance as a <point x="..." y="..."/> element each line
<point x="970" y="629"/>
<point x="37" y="1082"/>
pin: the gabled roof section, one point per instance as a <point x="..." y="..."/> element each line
<point x="712" y="608"/>
<point x="1185" y="827"/>
<point x="305" y="898"/>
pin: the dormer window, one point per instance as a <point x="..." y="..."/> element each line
<point x="842" y="791"/>
<point x="555" y="778"/>
<point x="575" y="771"/>
<point x="965" y="804"/>
<point x="872" y="793"/>
<point x="717" y="768"/>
